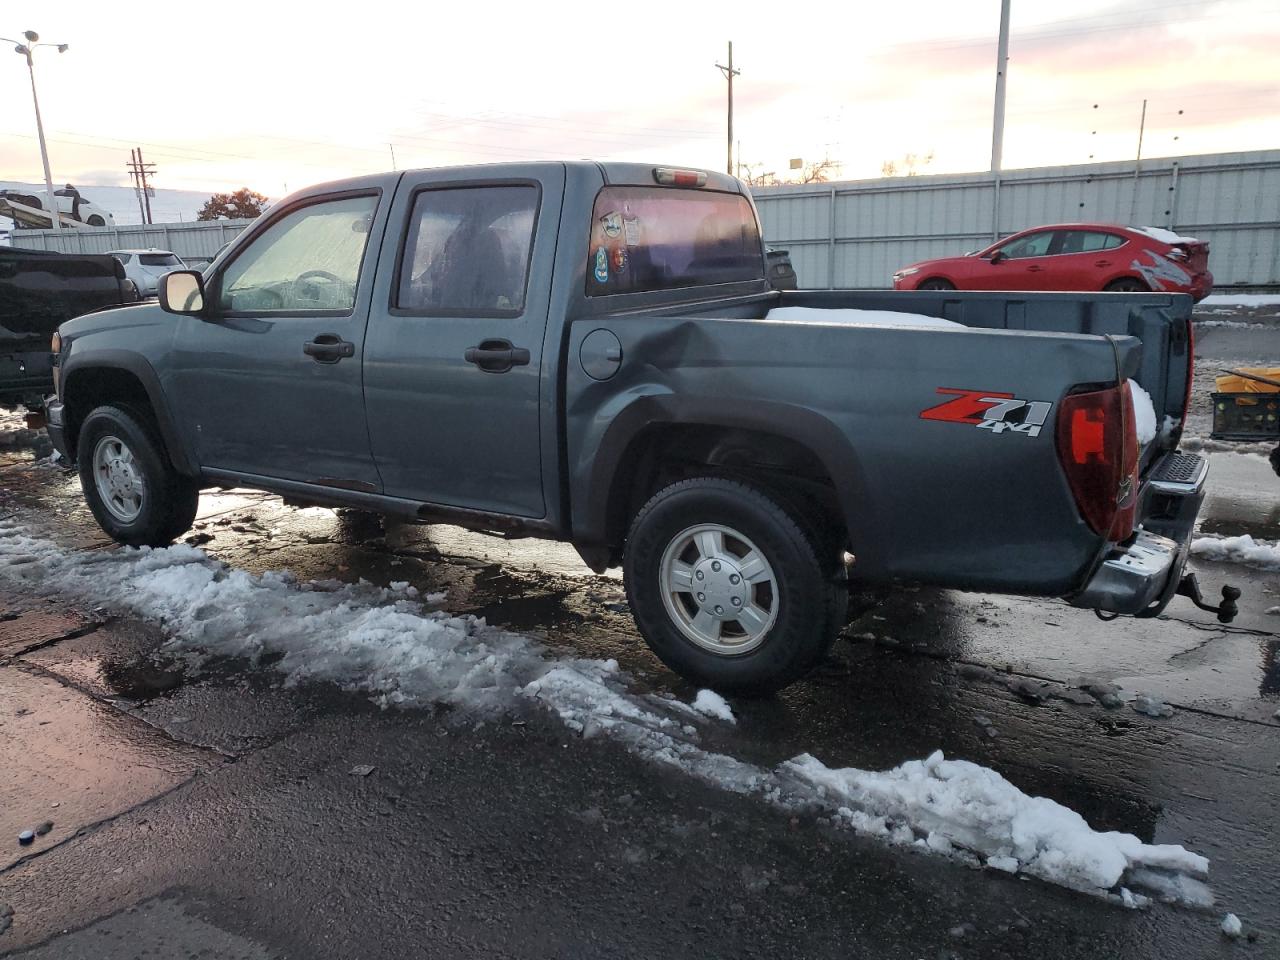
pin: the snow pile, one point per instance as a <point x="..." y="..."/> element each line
<point x="1241" y="300"/>
<point x="711" y="704"/>
<point x="948" y="804"/>
<point x="1144" y="412"/>
<point x="866" y="318"/>
<point x="1231" y="926"/>
<point x="1243" y="549"/>
<point x="374" y="640"/>
<point x="1162" y="235"/>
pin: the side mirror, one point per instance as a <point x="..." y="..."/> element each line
<point x="182" y="291"/>
<point x="998" y="256"/>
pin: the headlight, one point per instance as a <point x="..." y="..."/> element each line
<point x="905" y="273"/>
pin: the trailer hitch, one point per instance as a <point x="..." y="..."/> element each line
<point x="1189" y="587"/>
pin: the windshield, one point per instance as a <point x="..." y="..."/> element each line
<point x="657" y="238"/>
<point x="159" y="260"/>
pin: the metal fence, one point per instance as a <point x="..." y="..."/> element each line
<point x="197" y="239"/>
<point x="856" y="233"/>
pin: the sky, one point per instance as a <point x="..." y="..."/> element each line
<point x="275" y="96"/>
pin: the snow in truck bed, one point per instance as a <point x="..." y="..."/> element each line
<point x="866" y="318"/>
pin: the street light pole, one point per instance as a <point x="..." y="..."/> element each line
<point x="26" y="50"/>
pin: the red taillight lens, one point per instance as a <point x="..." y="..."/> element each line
<point x="1098" y="446"/>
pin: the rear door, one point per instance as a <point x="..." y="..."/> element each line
<point x="1088" y="260"/>
<point x="269" y="380"/>
<point x="453" y="359"/>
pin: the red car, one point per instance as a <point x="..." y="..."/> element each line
<point x="1073" y="256"/>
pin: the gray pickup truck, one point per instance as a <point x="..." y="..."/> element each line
<point x="585" y="352"/>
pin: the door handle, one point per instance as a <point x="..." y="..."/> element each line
<point x="1102" y="263"/>
<point x="1034" y="269"/>
<point x="496" y="356"/>
<point x="328" y="348"/>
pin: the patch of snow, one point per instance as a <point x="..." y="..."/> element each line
<point x="1210" y="445"/>
<point x="374" y="640"/>
<point x="869" y="318"/>
<point x="1232" y="926"/>
<point x="1274" y="611"/>
<point x="980" y="812"/>
<point x="1144" y="412"/>
<point x="1241" y="300"/>
<point x="1164" y="236"/>
<point x="1151" y="706"/>
<point x="711" y="704"/>
<point x="1242" y="549"/>
<point x="1230" y="324"/>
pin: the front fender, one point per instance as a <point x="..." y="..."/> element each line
<point x="81" y="362"/>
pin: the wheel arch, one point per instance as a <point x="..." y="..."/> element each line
<point x="92" y="379"/>
<point x="792" y="451"/>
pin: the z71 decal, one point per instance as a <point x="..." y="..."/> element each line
<point x="989" y="410"/>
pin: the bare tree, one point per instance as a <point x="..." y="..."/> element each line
<point x="908" y="165"/>
<point x="820" y="171"/>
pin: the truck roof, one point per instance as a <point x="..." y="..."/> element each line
<point x="637" y="174"/>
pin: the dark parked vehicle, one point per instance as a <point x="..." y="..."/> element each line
<point x="782" y="275"/>
<point x="38" y="291"/>
<point x="582" y="351"/>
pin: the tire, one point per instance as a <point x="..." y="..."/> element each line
<point x="142" y="500"/>
<point x="1275" y="461"/>
<point x="1127" y="285"/>
<point x="935" y="283"/>
<point x="797" y="604"/>
<point x="96" y="221"/>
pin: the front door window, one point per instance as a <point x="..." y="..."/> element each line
<point x="308" y="260"/>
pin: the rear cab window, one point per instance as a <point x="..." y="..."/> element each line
<point x="159" y="260"/>
<point x="661" y="238"/>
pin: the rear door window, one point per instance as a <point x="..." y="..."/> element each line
<point x="1089" y="241"/>
<point x="468" y="249"/>
<point x="660" y="238"/>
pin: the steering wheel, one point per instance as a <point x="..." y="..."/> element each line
<point x="318" y="274"/>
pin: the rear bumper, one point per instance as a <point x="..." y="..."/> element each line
<point x="1142" y="576"/>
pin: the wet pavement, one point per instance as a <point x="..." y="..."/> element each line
<point x="216" y="809"/>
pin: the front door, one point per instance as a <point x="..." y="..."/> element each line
<point x="1025" y="264"/>
<point x="454" y="353"/>
<point x="268" y="381"/>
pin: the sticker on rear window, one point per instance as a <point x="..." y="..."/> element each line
<point x="991" y="410"/>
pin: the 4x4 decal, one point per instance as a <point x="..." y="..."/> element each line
<point x="991" y="410"/>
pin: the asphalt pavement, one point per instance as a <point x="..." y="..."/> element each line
<point x="216" y="812"/>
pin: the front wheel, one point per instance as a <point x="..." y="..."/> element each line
<point x="730" y="588"/>
<point x="1127" y="285"/>
<point x="936" y="283"/>
<point x="132" y="490"/>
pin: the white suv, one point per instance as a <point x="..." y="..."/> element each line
<point x="146" y="267"/>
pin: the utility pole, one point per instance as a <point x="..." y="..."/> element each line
<point x="140" y="171"/>
<point x="997" y="124"/>
<point x="25" y="49"/>
<point x="392" y="148"/>
<point x="729" y="74"/>
<point x="1137" y="164"/>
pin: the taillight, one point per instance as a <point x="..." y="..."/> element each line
<point x="1098" y="446"/>
<point x="679" y="178"/>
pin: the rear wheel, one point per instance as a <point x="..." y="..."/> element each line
<point x="936" y="283"/>
<point x="728" y="588"/>
<point x="132" y="490"/>
<point x="96" y="221"/>
<point x="1127" y="285"/>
